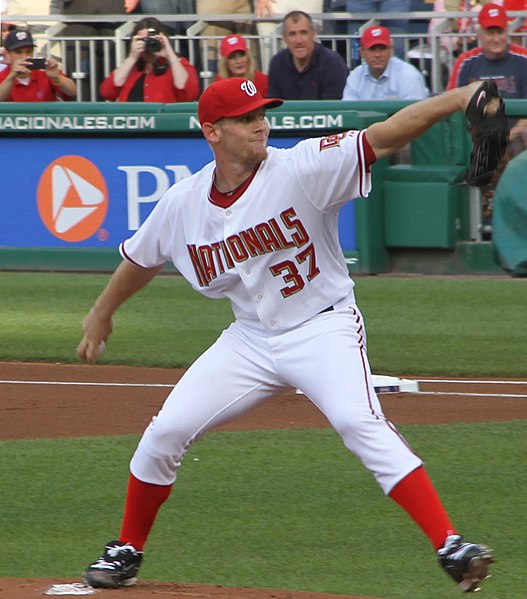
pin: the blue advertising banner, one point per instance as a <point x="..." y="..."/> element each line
<point x="94" y="192"/>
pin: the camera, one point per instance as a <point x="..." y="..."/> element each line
<point x="151" y="43"/>
<point x="36" y="63"/>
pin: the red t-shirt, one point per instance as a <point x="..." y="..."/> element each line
<point x="38" y="88"/>
<point x="156" y="88"/>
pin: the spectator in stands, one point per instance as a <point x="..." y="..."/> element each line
<point x="4" y="30"/>
<point x="382" y="76"/>
<point x="222" y="28"/>
<point x="381" y="6"/>
<point x="305" y="70"/>
<point x="165" y="7"/>
<point x="87" y="72"/>
<point x="497" y="59"/>
<point x="176" y="27"/>
<point x="21" y="83"/>
<point x="152" y="72"/>
<point x="267" y="29"/>
<point x="237" y="61"/>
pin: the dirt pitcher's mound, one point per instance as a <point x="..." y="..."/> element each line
<point x="29" y="588"/>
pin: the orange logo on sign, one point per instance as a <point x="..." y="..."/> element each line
<point x="72" y="198"/>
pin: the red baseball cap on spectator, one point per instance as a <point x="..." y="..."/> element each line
<point x="375" y="36"/>
<point x="231" y="97"/>
<point x="232" y="43"/>
<point x="492" y="15"/>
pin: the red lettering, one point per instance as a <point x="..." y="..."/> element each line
<point x="216" y="248"/>
<point x="252" y="243"/>
<point x="198" y="268"/>
<point x="276" y="228"/>
<point x="289" y="272"/>
<point x="301" y="237"/>
<point x="331" y="141"/>
<point x="309" y="254"/>
<point x="269" y="239"/>
<point x="207" y="260"/>
<point x="238" y="251"/>
<point x="226" y="253"/>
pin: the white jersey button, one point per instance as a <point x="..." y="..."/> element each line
<point x="228" y="212"/>
<point x="259" y="296"/>
<point x="248" y="271"/>
<point x="272" y="323"/>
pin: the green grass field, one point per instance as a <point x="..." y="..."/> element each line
<point x="472" y="327"/>
<point x="280" y="509"/>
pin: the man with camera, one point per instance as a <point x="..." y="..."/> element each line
<point x="28" y="79"/>
<point x="152" y="71"/>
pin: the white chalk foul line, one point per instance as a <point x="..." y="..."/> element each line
<point x="469" y="394"/>
<point x="163" y="385"/>
<point x="84" y="384"/>
<point x="472" y="382"/>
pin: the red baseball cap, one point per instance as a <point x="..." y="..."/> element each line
<point x="231" y="97"/>
<point x="492" y="15"/>
<point x="374" y="36"/>
<point x="232" y="43"/>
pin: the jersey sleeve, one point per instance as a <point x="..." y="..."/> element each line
<point x="149" y="246"/>
<point x="335" y="169"/>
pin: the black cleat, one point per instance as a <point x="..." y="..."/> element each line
<point x="118" y="566"/>
<point x="467" y="563"/>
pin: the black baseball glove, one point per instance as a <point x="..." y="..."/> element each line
<point x="490" y="133"/>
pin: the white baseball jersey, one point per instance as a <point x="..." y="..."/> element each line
<point x="275" y="251"/>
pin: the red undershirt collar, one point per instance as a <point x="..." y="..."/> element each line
<point x="224" y="200"/>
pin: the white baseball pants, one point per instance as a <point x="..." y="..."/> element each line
<point x="324" y="357"/>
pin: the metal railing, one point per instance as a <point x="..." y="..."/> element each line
<point x="90" y="59"/>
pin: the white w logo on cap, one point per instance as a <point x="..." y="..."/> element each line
<point x="249" y="88"/>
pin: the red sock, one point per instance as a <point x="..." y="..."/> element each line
<point x="143" y="501"/>
<point x="416" y="494"/>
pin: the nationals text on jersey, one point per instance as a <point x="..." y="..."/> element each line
<point x="213" y="259"/>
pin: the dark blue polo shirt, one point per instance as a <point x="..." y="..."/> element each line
<point x="508" y="73"/>
<point x="323" y="79"/>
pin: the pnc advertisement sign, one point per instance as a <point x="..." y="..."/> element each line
<point x="87" y="193"/>
<point x="93" y="193"/>
<point x="72" y="198"/>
